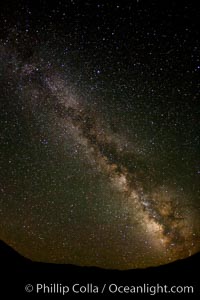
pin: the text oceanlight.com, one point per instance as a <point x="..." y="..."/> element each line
<point x="112" y="288"/>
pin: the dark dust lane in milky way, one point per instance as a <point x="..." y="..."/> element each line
<point x="100" y="133"/>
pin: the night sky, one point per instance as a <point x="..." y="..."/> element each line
<point x="100" y="131"/>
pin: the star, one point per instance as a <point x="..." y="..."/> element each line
<point x="99" y="142"/>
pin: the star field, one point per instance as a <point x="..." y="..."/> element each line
<point x="99" y="131"/>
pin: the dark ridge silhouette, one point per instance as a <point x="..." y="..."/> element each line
<point x="19" y="271"/>
<point x="10" y="257"/>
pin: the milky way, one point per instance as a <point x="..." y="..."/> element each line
<point x="84" y="179"/>
<point x="156" y="209"/>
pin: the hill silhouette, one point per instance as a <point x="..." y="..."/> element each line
<point x="17" y="270"/>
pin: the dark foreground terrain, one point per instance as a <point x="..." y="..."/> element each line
<point x="22" y="277"/>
